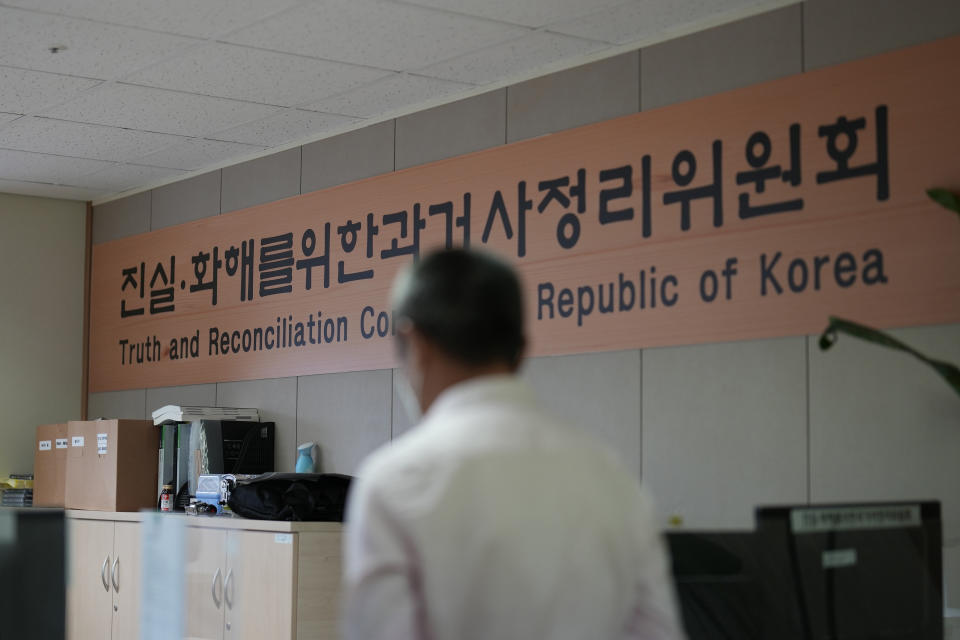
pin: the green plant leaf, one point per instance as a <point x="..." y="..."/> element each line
<point x="828" y="338"/>
<point x="945" y="198"/>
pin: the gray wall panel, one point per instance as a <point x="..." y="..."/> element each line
<point x="452" y="129"/>
<point x="884" y="426"/>
<point x="262" y="180"/>
<point x="347" y="414"/>
<point x="202" y="395"/>
<point x="351" y="156"/>
<point x="130" y="405"/>
<point x="725" y="429"/>
<point x="598" y="393"/>
<point x="276" y="398"/>
<point x="187" y="200"/>
<point x="738" y="54"/>
<point x="835" y="32"/>
<point x="121" y="218"/>
<point x="582" y="95"/>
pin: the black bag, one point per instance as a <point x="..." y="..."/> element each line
<point x="318" y="497"/>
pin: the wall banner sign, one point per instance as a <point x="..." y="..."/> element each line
<point x="755" y="213"/>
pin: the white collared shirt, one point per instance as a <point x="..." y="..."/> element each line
<point x="489" y="521"/>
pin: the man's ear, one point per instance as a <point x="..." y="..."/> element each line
<point x="420" y="349"/>
<point x="521" y="354"/>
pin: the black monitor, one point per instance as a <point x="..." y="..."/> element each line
<point x="716" y="579"/>
<point x="33" y="574"/>
<point x="852" y="572"/>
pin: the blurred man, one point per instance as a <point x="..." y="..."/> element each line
<point x="489" y="520"/>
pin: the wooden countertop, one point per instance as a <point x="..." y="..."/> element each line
<point x="214" y="522"/>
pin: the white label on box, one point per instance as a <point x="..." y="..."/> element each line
<point x="45" y="445"/>
<point x="77" y="441"/>
<point x="839" y="558"/>
<point x="819" y="519"/>
<point x="62" y="443"/>
<point x="283" y="538"/>
<point x="101" y="444"/>
<point x="8" y="527"/>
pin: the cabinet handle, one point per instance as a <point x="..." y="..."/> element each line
<point x="213" y="588"/>
<point x="228" y="589"/>
<point x="103" y="573"/>
<point x="115" y="575"/>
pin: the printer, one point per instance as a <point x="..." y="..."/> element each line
<point x="212" y="441"/>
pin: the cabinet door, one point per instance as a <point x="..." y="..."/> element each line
<point x="206" y="564"/>
<point x="260" y="588"/>
<point x="89" y="593"/>
<point x="318" y="584"/>
<point x="125" y="577"/>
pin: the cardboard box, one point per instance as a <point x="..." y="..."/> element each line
<point x="112" y="465"/>
<point x="50" y="465"/>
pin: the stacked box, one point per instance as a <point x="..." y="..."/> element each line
<point x="50" y="465"/>
<point x="112" y="465"/>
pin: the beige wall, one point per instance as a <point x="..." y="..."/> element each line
<point x="41" y="320"/>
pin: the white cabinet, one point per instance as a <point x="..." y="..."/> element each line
<point x="245" y="580"/>
<point x="125" y="579"/>
<point x="248" y="585"/>
<point x="260" y="585"/>
<point x="103" y="593"/>
<point x="241" y="584"/>
<point x="206" y="557"/>
<point x="89" y="597"/>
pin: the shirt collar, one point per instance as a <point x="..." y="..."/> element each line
<point x="493" y="389"/>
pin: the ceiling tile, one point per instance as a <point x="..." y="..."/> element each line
<point x="373" y="32"/>
<point x="93" y="49"/>
<point x="45" y="190"/>
<point x="196" y="153"/>
<point x="186" y="17"/>
<point x="650" y="20"/>
<point x="149" y="109"/>
<point x="79" y="140"/>
<point x="120" y="177"/>
<point x="39" y="167"/>
<point x="291" y="125"/>
<point x="27" y="91"/>
<point x="511" y="58"/>
<point x="532" y="13"/>
<point x="389" y="94"/>
<point x="242" y="73"/>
